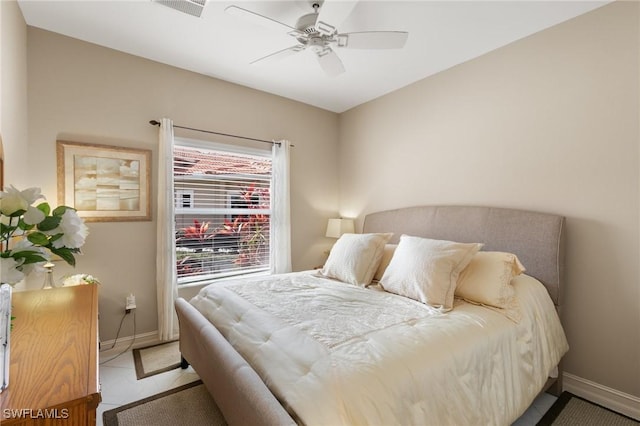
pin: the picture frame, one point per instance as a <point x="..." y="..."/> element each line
<point x="104" y="183"/>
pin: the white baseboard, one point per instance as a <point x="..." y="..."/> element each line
<point x="612" y="399"/>
<point x="139" y="340"/>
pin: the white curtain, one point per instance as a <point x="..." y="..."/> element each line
<point x="281" y="215"/>
<point x="165" y="254"/>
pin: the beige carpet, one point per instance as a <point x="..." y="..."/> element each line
<point x="570" y="410"/>
<point x="190" y="405"/>
<point x="156" y="359"/>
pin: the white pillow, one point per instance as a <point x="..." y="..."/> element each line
<point x="427" y="270"/>
<point x="387" y="254"/>
<point x="487" y="279"/>
<point x="355" y="257"/>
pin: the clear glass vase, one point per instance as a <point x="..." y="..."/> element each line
<point x="48" y="276"/>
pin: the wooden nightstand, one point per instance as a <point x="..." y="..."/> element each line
<point x="54" y="358"/>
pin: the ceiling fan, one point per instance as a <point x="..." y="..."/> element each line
<point x="314" y="32"/>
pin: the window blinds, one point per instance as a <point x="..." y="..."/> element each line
<point x="222" y="213"/>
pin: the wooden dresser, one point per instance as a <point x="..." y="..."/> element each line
<point x="53" y="377"/>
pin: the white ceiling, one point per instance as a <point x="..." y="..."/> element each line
<point x="441" y="35"/>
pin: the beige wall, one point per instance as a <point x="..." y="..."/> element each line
<point x="549" y="123"/>
<point x="81" y="92"/>
<point x="13" y="93"/>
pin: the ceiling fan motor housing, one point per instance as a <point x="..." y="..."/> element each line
<point x="306" y="23"/>
<point x="313" y="33"/>
<point x="317" y="44"/>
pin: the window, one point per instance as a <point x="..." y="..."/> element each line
<point x="184" y="198"/>
<point x="223" y="211"/>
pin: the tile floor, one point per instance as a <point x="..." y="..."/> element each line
<point x="119" y="386"/>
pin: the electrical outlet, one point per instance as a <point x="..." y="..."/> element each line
<point x="130" y="303"/>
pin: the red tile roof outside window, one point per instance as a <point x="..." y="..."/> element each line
<point x="194" y="162"/>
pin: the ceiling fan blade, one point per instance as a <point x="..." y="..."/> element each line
<point x="279" y="55"/>
<point x="330" y="62"/>
<point x="258" y="19"/>
<point x="373" y="40"/>
<point x="333" y="13"/>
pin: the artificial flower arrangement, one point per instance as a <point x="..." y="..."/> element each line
<point x="78" y="279"/>
<point x="30" y="234"/>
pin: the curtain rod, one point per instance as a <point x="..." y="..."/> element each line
<point x="157" y="123"/>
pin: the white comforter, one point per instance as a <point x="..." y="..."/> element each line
<point x="334" y="353"/>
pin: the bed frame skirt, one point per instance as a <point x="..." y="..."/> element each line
<point x="239" y="392"/>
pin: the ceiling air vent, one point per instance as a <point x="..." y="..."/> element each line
<point x="190" y="7"/>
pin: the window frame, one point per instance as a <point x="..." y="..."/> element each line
<point x="231" y="149"/>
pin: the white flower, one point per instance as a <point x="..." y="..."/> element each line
<point x="33" y="216"/>
<point x="9" y="272"/>
<point x="26" y="245"/>
<point x="33" y="267"/>
<point x="78" y="279"/>
<point x="23" y="244"/>
<point x="31" y="194"/>
<point x="73" y="229"/>
<point x="12" y="200"/>
<point x="25" y="249"/>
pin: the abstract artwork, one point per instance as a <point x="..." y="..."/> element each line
<point x="104" y="183"/>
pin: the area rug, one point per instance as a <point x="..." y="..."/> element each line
<point x="190" y="405"/>
<point x="156" y="359"/>
<point x="571" y="410"/>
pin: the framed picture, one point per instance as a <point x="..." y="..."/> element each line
<point x="104" y="183"/>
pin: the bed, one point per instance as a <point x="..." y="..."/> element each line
<point x="481" y="364"/>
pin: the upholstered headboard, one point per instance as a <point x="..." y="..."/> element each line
<point x="536" y="238"/>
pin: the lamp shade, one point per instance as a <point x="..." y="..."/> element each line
<point x="337" y="227"/>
